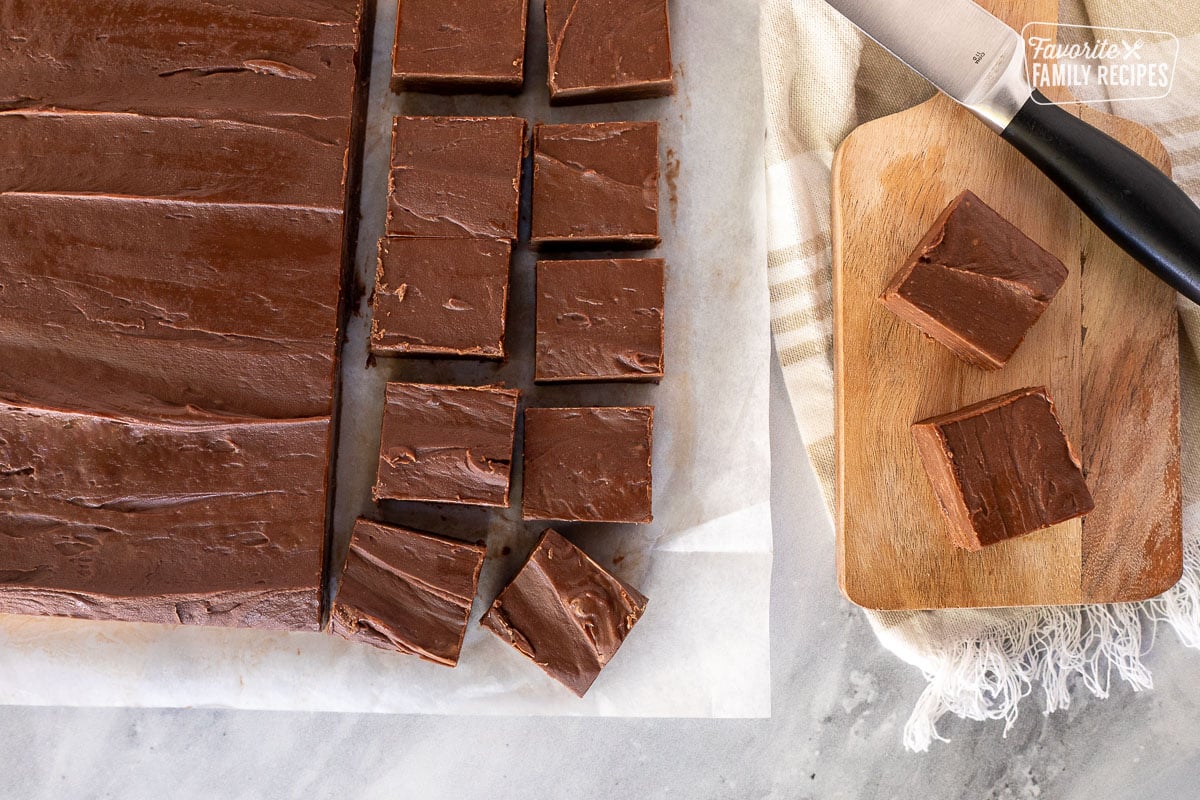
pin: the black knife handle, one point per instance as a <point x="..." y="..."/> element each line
<point x="1128" y="198"/>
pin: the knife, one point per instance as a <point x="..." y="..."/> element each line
<point x="979" y="62"/>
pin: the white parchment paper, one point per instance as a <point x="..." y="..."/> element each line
<point x="702" y="648"/>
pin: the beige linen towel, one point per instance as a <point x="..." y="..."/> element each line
<point x="822" y="81"/>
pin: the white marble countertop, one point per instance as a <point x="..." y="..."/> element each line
<point x="839" y="701"/>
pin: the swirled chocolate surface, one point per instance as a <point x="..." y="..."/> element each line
<point x="588" y="464"/>
<point x="604" y="50"/>
<point x="160" y="309"/>
<point x="407" y="591"/>
<point x="975" y="283"/>
<point x="440" y="297"/>
<point x="565" y="613"/>
<point x="196" y="522"/>
<point x="599" y="320"/>
<point x="467" y="45"/>
<point x="172" y="185"/>
<point x="1002" y="468"/>
<point x="596" y="183"/>
<point x="456" y="177"/>
<point x="284" y="64"/>
<point x="448" y="444"/>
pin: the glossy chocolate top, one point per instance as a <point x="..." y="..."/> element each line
<point x="132" y="155"/>
<point x="565" y="613"/>
<point x="216" y="523"/>
<point x="172" y="180"/>
<point x="449" y="444"/>
<point x="603" y="50"/>
<point x="599" y="320"/>
<point x="406" y="590"/>
<point x="285" y="64"/>
<point x="461" y="45"/>
<point x="172" y="186"/>
<point x="596" y="183"/>
<point x="440" y="297"/>
<point x="588" y="464"/>
<point x="976" y="283"/>
<point x="456" y="177"/>
<point x="1003" y="468"/>
<point x="164" y="310"/>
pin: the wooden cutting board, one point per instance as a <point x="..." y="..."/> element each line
<point x="1107" y="350"/>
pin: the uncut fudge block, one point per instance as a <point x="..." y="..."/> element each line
<point x="603" y="50"/>
<point x="596" y="183"/>
<point x="1002" y="468"/>
<point x="599" y="320"/>
<point x="440" y="297"/>
<point x="975" y="283"/>
<point x="407" y="591"/>
<point x="447" y="444"/>
<point x="218" y="522"/>
<point x="588" y="464"/>
<point x="461" y="46"/>
<point x="172" y="183"/>
<point x="565" y="613"/>
<point x="456" y="177"/>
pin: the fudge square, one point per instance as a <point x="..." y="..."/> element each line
<point x="460" y="46"/>
<point x="455" y="177"/>
<point x="440" y="297"/>
<point x="596" y="183"/>
<point x="446" y="444"/>
<point x="588" y="464"/>
<point x="975" y="283"/>
<point x="565" y="613"/>
<point x="407" y="591"/>
<point x="603" y="50"/>
<point x="1002" y="468"/>
<point x="599" y="320"/>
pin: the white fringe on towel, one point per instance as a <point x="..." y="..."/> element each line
<point x="988" y="673"/>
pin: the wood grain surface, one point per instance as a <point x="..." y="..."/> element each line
<point x="1106" y="348"/>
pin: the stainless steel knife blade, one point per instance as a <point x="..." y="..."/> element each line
<point x="954" y="44"/>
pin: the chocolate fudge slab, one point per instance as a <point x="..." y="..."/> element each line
<point x="447" y="444"/>
<point x="217" y="522"/>
<point x="596" y="183"/>
<point x="600" y="320"/>
<point x="604" y="50"/>
<point x="407" y="591"/>
<point x="456" y="177"/>
<point x="440" y="297"/>
<point x="163" y="309"/>
<point x="588" y="464"/>
<point x="174" y="293"/>
<point x="462" y="46"/>
<point x="975" y="283"/>
<point x="284" y="64"/>
<point x="1002" y="468"/>
<point x="565" y="613"/>
<point x="132" y="155"/>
